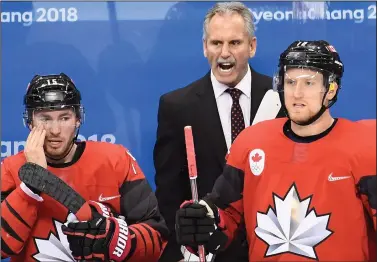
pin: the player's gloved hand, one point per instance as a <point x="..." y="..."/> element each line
<point x="368" y="186"/>
<point x="92" y="209"/>
<point x="199" y="224"/>
<point x="100" y="239"/>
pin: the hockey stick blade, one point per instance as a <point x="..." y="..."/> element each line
<point x="268" y="108"/>
<point x="43" y="180"/>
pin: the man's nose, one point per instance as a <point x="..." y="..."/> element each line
<point x="225" y="52"/>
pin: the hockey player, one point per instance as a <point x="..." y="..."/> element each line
<point x="105" y="175"/>
<point x="304" y="186"/>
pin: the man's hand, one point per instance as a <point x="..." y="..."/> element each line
<point x="101" y="239"/>
<point x="193" y="225"/>
<point x="34" y="151"/>
<point x="198" y="224"/>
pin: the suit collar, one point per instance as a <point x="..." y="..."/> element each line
<point x="244" y="85"/>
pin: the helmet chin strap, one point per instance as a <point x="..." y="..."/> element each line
<point x="70" y="147"/>
<point x="312" y="119"/>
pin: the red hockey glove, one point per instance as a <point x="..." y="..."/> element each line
<point x="92" y="209"/>
<point x="101" y="239"/>
<point x="199" y="224"/>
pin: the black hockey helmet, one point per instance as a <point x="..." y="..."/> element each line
<point x="317" y="55"/>
<point x="52" y="92"/>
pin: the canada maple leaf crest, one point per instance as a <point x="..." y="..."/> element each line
<point x="331" y="48"/>
<point x="291" y="227"/>
<point x="257" y="161"/>
<point x="55" y="247"/>
<point x="256" y="157"/>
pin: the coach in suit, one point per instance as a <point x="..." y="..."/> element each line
<point x="217" y="106"/>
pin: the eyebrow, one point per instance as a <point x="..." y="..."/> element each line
<point x="221" y="41"/>
<point x="61" y="115"/>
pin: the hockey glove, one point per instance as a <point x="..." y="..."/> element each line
<point x="91" y="210"/>
<point x="199" y="224"/>
<point x="368" y="186"/>
<point x="100" y="239"/>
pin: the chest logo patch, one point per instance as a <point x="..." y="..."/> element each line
<point x="291" y="227"/>
<point x="257" y="159"/>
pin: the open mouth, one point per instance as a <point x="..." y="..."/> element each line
<point x="55" y="143"/>
<point x="226" y="67"/>
<point x="298" y="105"/>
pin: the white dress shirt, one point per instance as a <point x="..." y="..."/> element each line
<point x="224" y="103"/>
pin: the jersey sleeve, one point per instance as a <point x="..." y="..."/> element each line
<point x="227" y="193"/>
<point x="19" y="210"/>
<point x="365" y="171"/>
<point x="140" y="208"/>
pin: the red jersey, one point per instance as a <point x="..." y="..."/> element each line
<point x="104" y="173"/>
<point x="302" y="201"/>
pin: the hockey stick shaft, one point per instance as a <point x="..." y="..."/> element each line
<point x="193" y="174"/>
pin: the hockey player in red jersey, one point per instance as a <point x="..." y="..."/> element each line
<point x="119" y="221"/>
<point x="305" y="186"/>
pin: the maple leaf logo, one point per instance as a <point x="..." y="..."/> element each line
<point x="331" y="48"/>
<point x="291" y="228"/>
<point x="55" y="248"/>
<point x="256" y="157"/>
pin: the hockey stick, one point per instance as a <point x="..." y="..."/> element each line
<point x="268" y="108"/>
<point x="191" y="161"/>
<point x="43" y="180"/>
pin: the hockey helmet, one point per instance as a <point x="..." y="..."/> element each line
<point x="52" y="92"/>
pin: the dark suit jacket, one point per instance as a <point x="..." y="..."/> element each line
<point x="195" y="105"/>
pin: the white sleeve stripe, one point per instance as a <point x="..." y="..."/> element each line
<point x="30" y="193"/>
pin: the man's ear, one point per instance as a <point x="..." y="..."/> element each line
<point x="253" y="47"/>
<point x="205" y="48"/>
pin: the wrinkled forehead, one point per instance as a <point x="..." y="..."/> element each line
<point x="227" y="26"/>
<point x="303" y="72"/>
<point x="54" y="113"/>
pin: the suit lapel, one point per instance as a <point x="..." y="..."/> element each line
<point x="207" y="107"/>
<point x="210" y="122"/>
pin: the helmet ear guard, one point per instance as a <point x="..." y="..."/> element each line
<point x="332" y="86"/>
<point x="276" y="82"/>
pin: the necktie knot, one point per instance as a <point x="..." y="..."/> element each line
<point x="234" y="93"/>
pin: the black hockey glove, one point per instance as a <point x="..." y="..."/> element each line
<point x="368" y="186"/>
<point x="100" y="239"/>
<point x="198" y="224"/>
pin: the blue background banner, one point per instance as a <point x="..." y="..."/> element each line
<point x="124" y="55"/>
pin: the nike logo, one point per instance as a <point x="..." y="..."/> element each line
<point x="336" y="178"/>
<point x="102" y="199"/>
